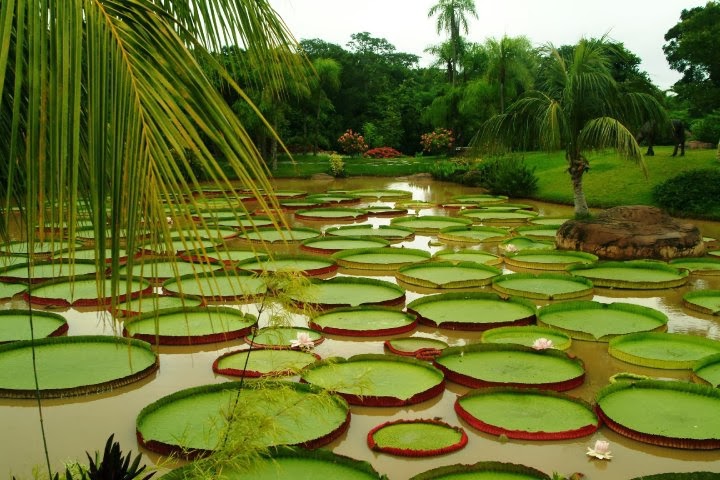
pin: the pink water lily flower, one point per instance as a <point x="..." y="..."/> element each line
<point x="601" y="450"/>
<point x="542" y="344"/>
<point x="303" y="341"/>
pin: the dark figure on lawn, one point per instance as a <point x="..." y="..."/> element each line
<point x="650" y="131"/>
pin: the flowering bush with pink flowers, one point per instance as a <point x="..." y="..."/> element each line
<point x="382" y="152"/>
<point x="352" y="143"/>
<point x="440" y="140"/>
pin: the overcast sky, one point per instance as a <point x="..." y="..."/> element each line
<point x="639" y="24"/>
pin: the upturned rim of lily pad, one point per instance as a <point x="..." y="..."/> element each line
<point x="439" y="438"/>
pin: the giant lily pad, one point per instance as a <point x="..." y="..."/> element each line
<point x="15" y="325"/>
<point x="707" y="370"/>
<point x="330" y="214"/>
<point x="428" y="224"/>
<point x="549" y="259"/>
<point x="633" y="274"/>
<point x="527" y="414"/>
<point x="190" y="326"/>
<point x="349" y="292"/>
<point x="377" y="380"/>
<point x="527" y="335"/>
<point x="260" y="362"/>
<point x="416" y="438"/>
<point x="279" y="235"/>
<point x="365" y="321"/>
<point x="668" y="413"/>
<point x="330" y="244"/>
<point x="595" y="321"/>
<point x="193" y="421"/>
<point x="384" y="258"/>
<point x="662" y="350"/>
<point x="705" y="301"/>
<point x="282" y="463"/>
<point x="698" y="266"/>
<point x="472" y="310"/>
<point x="502" y="364"/>
<point x="236" y="285"/>
<point x="472" y="234"/>
<point x="311" y="265"/>
<point x="390" y="233"/>
<point x="63" y="369"/>
<point x="543" y="286"/>
<point x="467" y="255"/>
<point x="86" y="291"/>
<point x="445" y="275"/>
<point x="39" y="272"/>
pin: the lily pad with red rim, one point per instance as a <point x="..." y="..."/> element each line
<point x="192" y="422"/>
<point x="62" y="366"/>
<point x="668" y="413"/>
<point x="261" y="362"/>
<point x="283" y="463"/>
<point x="329" y="245"/>
<point x="483" y="471"/>
<point x="420" y="347"/>
<point x="384" y="258"/>
<point x="428" y="224"/>
<point x="151" y="303"/>
<point x="332" y="214"/>
<point x="527" y="414"/>
<point x="311" y="265"/>
<point x="472" y="311"/>
<point x="479" y="215"/>
<point x="472" y="234"/>
<point x="482" y="365"/>
<point x="377" y="380"/>
<point x="190" y="326"/>
<point x="416" y="438"/>
<point x="365" y="321"/>
<point x="662" y="350"/>
<point x="537" y="232"/>
<point x="382" y="194"/>
<point x="481" y="198"/>
<point x="599" y="322"/>
<point x="278" y="235"/>
<point x="631" y="274"/>
<point x="527" y="336"/>
<point x="390" y="233"/>
<point x="467" y="255"/>
<point x="241" y="286"/>
<point x="549" y="259"/>
<point x="543" y="286"/>
<point x="85" y="291"/>
<point x="349" y="292"/>
<point x="15" y="325"/>
<point x="447" y="275"/>
<point x="519" y="244"/>
<point x="38" y="272"/>
<point x="282" y="336"/>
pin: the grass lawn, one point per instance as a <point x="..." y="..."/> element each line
<point x="612" y="180"/>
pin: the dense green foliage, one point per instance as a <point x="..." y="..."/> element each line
<point x="695" y="193"/>
<point x="507" y="175"/>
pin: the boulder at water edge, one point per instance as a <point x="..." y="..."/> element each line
<point x="632" y="232"/>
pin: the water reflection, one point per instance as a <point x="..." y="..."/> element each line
<point x="76" y="426"/>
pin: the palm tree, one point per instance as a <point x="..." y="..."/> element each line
<point x="577" y="108"/>
<point x="511" y="64"/>
<point x="452" y="18"/>
<point x="106" y="100"/>
<point x="104" y="104"/>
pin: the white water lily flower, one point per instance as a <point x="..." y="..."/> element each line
<point x="542" y="344"/>
<point x="601" y="450"/>
<point x="303" y="341"/>
<point x="511" y="248"/>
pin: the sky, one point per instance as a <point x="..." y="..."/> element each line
<point x="639" y="24"/>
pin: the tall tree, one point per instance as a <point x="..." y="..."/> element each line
<point x="693" y="49"/>
<point x="578" y="107"/>
<point x="511" y="65"/>
<point x="452" y="18"/>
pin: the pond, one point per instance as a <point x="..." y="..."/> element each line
<point x="78" y="424"/>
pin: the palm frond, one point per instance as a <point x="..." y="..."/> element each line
<point x="607" y="132"/>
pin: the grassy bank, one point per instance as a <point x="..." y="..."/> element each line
<point x="611" y="180"/>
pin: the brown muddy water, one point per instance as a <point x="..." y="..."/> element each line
<point x="83" y="424"/>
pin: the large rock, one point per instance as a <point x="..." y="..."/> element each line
<point x="632" y="232"/>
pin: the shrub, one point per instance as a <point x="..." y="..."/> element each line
<point x="506" y="175"/>
<point x="439" y="141"/>
<point x="448" y="170"/>
<point x="382" y="152"/>
<point x="337" y="165"/>
<point x="695" y="193"/>
<point x="352" y="143"/>
<point x="707" y="129"/>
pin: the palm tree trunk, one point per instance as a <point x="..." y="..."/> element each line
<point x="578" y="166"/>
